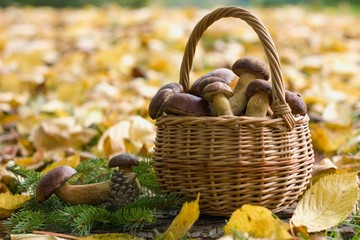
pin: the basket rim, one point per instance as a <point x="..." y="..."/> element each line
<point x="275" y="122"/>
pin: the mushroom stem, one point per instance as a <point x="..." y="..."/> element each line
<point x="247" y="69"/>
<point x="222" y="105"/>
<point x="94" y="193"/>
<point x="239" y="100"/>
<point x="258" y="105"/>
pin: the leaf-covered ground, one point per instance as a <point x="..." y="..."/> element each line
<point x="80" y="80"/>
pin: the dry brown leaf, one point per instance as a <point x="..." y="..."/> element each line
<point x="60" y="134"/>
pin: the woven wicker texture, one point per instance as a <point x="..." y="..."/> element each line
<point x="233" y="160"/>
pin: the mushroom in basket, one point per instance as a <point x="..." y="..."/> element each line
<point x="217" y="90"/>
<point x="259" y="93"/>
<point x="247" y="69"/>
<point x="156" y="106"/>
<point x="185" y="104"/>
<point x="260" y="98"/>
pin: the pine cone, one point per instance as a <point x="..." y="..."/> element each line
<point x="123" y="188"/>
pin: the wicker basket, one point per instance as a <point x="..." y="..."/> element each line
<point x="233" y="160"/>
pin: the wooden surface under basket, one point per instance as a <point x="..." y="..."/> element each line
<point x="233" y="160"/>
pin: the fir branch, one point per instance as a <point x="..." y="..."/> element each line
<point x="130" y="219"/>
<point x="25" y="222"/>
<point x="146" y="175"/>
<point x="81" y="219"/>
<point x="92" y="171"/>
<point x="28" y="179"/>
<point x="52" y="204"/>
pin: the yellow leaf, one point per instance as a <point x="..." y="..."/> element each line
<point x="60" y="133"/>
<point x="128" y="135"/>
<point x="9" y="203"/>
<point x="324" y="167"/>
<point x="31" y="236"/>
<point x="110" y="236"/>
<point x="347" y="162"/>
<point x="327" y="202"/>
<point x="182" y="223"/>
<point x="258" y="222"/>
<point x="71" y="161"/>
<point x="25" y="161"/>
<point x="329" y="137"/>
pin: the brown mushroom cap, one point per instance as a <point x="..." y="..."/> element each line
<point x="251" y="65"/>
<point x="52" y="180"/>
<point x="174" y="86"/>
<point x="296" y="103"/>
<point x="123" y="160"/>
<point x="156" y="108"/>
<point x="226" y="76"/>
<point x="258" y="85"/>
<point x="206" y="81"/>
<point x="216" y="88"/>
<point x="187" y="104"/>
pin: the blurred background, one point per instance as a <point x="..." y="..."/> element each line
<point x="79" y="75"/>
<point x="354" y="4"/>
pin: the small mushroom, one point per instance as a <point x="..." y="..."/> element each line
<point x="187" y="105"/>
<point x="221" y="74"/>
<point x="218" y="93"/>
<point x="259" y="94"/>
<point x="247" y="69"/>
<point x="156" y="107"/>
<point x="124" y="162"/>
<point x="296" y="103"/>
<point x="55" y="182"/>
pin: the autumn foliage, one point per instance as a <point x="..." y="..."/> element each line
<point x="78" y="82"/>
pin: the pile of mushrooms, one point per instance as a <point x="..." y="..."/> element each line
<point x="211" y="94"/>
<point x="122" y="188"/>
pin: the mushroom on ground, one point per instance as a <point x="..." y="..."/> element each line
<point x="221" y="74"/>
<point x="218" y="93"/>
<point x="248" y="69"/>
<point x="156" y="107"/>
<point x="187" y="105"/>
<point x="55" y="182"/>
<point x="125" y="162"/>
<point x="259" y="94"/>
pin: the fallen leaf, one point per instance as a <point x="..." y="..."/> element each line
<point x="328" y="137"/>
<point x="347" y="162"/>
<point x="9" y="203"/>
<point x="327" y="202"/>
<point x="111" y="236"/>
<point x="258" y="222"/>
<point x="129" y="135"/>
<point x="182" y="223"/>
<point x="71" y="161"/>
<point x="61" y="133"/>
<point x="31" y="236"/>
<point x="324" y="167"/>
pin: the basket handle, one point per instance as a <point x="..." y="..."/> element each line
<point x="280" y="107"/>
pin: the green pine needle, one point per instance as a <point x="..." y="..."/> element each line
<point x="92" y="171"/>
<point x="56" y="215"/>
<point x="28" y="178"/>
<point x="25" y="222"/>
<point x="130" y="219"/>
<point x="146" y="175"/>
